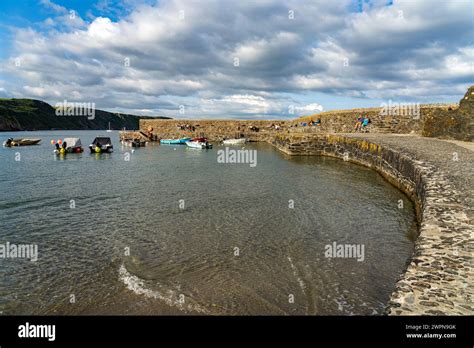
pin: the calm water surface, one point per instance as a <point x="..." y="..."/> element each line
<point x="183" y="261"/>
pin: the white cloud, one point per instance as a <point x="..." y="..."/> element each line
<point x="314" y="107"/>
<point x="384" y="52"/>
<point x="102" y="29"/>
<point x="41" y="91"/>
<point x="244" y="104"/>
<point x="53" y="6"/>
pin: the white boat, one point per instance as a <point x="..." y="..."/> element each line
<point x="199" y="144"/>
<point x="109" y="130"/>
<point x="68" y="145"/>
<point x="133" y="142"/>
<point x="196" y="144"/>
<point x="234" y="141"/>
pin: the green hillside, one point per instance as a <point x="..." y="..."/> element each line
<point x="30" y="114"/>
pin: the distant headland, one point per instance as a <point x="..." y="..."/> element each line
<point x="33" y="115"/>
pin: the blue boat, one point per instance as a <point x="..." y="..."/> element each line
<point x="181" y="141"/>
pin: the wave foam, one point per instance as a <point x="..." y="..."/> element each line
<point x="295" y="273"/>
<point x="137" y="285"/>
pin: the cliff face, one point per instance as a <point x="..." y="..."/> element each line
<point x="457" y="123"/>
<point x="15" y="114"/>
<point x="467" y="102"/>
<point x="30" y="115"/>
<point x="453" y="124"/>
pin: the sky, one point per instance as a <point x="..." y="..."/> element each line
<point x="247" y="59"/>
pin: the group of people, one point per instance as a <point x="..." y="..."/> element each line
<point x="254" y="129"/>
<point x="309" y="123"/>
<point x="187" y="127"/>
<point x="361" y="123"/>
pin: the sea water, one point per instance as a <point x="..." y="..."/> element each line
<point x="171" y="230"/>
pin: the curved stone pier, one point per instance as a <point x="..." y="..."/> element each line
<point x="437" y="175"/>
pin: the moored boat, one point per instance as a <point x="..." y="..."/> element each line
<point x="101" y="145"/>
<point x="68" y="145"/>
<point x="234" y="141"/>
<point x="199" y="143"/>
<point x="181" y="141"/>
<point x="134" y="142"/>
<point x="20" y="142"/>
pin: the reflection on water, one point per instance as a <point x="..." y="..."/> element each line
<point x="248" y="241"/>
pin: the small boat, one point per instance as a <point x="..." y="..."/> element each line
<point x="234" y="141"/>
<point x="20" y="142"/>
<point x="109" y="130"/>
<point x="181" y="141"/>
<point x="199" y="143"/>
<point x="134" y="142"/>
<point x="68" y="145"/>
<point x="101" y="145"/>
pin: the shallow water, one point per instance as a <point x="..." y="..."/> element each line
<point x="236" y="247"/>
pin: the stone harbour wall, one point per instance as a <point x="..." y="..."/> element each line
<point x="440" y="276"/>
<point x="431" y="121"/>
<point x="214" y="130"/>
<point x="401" y="121"/>
<point x="450" y="121"/>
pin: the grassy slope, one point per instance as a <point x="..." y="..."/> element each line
<point x="30" y="114"/>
